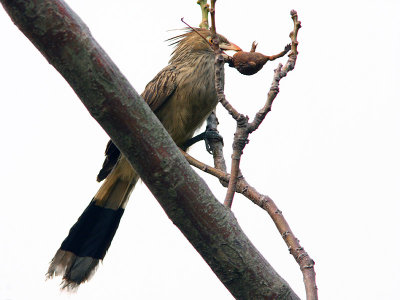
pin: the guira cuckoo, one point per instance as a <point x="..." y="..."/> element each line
<point x="181" y="95"/>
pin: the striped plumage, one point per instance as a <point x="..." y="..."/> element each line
<point x="182" y="95"/>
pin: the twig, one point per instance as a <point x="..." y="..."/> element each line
<point x="212" y="120"/>
<point x="219" y="87"/>
<point x="293" y="35"/>
<point x="240" y="119"/>
<point x="279" y="73"/>
<point x="239" y="142"/>
<point x="244" y="128"/>
<point x="219" y="66"/>
<point x="205" y="8"/>
<point x="221" y="175"/>
<point x="212" y="13"/>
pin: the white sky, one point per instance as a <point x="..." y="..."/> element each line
<point x="328" y="153"/>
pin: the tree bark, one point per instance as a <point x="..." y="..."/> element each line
<point x="65" y="41"/>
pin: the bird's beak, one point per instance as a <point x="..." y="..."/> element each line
<point x="231" y="46"/>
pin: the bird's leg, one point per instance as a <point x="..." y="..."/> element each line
<point x="207" y="135"/>
<point x="286" y="50"/>
<point x="253" y="46"/>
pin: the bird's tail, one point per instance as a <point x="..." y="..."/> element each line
<point x="90" y="237"/>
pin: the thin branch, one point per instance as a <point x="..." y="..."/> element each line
<point x="237" y="152"/>
<point x="279" y="73"/>
<point x="219" y="87"/>
<point x="239" y="142"/>
<point x="216" y="145"/>
<point x="212" y="13"/>
<point x="205" y="8"/>
<point x="265" y="202"/>
<point x="243" y="130"/>
<point x="212" y="120"/>
<point x="293" y="35"/>
<point x="221" y="175"/>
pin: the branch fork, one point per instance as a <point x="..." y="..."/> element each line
<point x="235" y="180"/>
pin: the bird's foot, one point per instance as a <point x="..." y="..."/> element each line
<point x="207" y="136"/>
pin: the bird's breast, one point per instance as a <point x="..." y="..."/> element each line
<point x="194" y="99"/>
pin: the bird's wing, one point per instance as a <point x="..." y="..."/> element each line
<point x="160" y="89"/>
<point x="112" y="155"/>
<point x="156" y="93"/>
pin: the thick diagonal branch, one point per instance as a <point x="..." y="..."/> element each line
<point x="65" y="41"/>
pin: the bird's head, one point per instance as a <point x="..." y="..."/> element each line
<point x="198" y="41"/>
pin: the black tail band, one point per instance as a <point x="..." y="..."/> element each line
<point x="92" y="234"/>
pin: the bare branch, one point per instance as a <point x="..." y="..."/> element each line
<point x="216" y="145"/>
<point x="243" y="129"/>
<point x="239" y="142"/>
<point x="279" y="73"/>
<point x="212" y="13"/>
<point x="205" y="8"/>
<point x="237" y="152"/>
<point x="265" y="202"/>
<point x="219" y="69"/>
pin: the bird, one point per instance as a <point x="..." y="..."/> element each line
<point x="181" y="95"/>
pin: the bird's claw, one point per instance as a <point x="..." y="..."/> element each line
<point x="207" y="136"/>
<point x="212" y="135"/>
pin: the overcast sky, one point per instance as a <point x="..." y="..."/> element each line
<point x="328" y="153"/>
